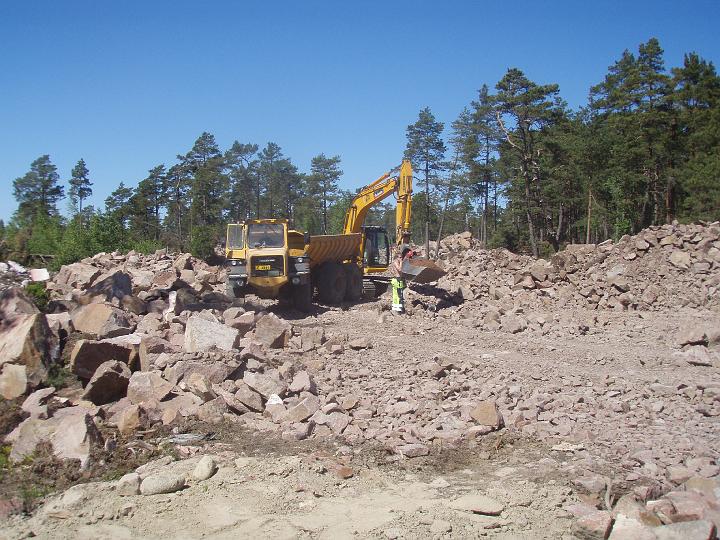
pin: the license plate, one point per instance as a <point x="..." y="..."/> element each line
<point x="262" y="267"/>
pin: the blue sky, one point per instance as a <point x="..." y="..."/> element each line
<point x="128" y="85"/>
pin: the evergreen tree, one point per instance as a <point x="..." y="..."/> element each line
<point x="147" y="203"/>
<point x="79" y="186"/>
<point x="268" y="182"/>
<point x="426" y="149"/>
<point x="204" y="164"/>
<point x="37" y="192"/>
<point x="117" y="204"/>
<point x="177" y="218"/>
<point x="242" y="171"/>
<point x="697" y="99"/>
<point x="322" y="183"/>
<point x="523" y="108"/>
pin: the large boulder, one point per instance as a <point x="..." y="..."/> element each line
<point x="113" y="284"/>
<point x="273" y="332"/>
<point x="146" y="386"/>
<point x="77" y="275"/>
<point x="88" y="355"/>
<point x="75" y="436"/>
<point x="13" y="302"/>
<point x="72" y="433"/>
<point x="109" y="383"/>
<point x="101" y="320"/>
<point x="142" y="279"/>
<point x="265" y="384"/>
<point x="28" y="341"/>
<point x="13" y="381"/>
<point x="202" y="335"/>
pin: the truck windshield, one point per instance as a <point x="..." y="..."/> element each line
<point x="235" y="237"/>
<point x="266" y="235"/>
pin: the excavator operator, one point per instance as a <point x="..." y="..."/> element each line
<point x="398" y="283"/>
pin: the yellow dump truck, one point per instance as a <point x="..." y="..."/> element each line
<point x="268" y="258"/>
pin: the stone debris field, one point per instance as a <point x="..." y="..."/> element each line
<point x="573" y="397"/>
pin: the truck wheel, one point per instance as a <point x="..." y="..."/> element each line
<point x="332" y="283"/>
<point x="232" y="290"/>
<point x="369" y="292"/>
<point x="302" y="297"/>
<point x="354" y="287"/>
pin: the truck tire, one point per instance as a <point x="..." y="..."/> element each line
<point x="331" y="283"/>
<point x="302" y="297"/>
<point x="232" y="290"/>
<point x="369" y="292"/>
<point x="354" y="286"/>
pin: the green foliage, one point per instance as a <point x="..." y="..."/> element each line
<point x="322" y="185"/>
<point x="79" y="185"/>
<point x="59" y="376"/>
<point x="38" y="192"/>
<point x="147" y="247"/>
<point x="39" y="295"/>
<point x="4" y="458"/>
<point x="45" y="235"/>
<point x="203" y="240"/>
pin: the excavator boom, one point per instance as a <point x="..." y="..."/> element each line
<point x="375" y="193"/>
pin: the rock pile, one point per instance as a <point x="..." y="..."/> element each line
<point x="661" y="267"/>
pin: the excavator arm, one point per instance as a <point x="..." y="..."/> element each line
<point x="378" y="191"/>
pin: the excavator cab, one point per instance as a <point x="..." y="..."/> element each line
<point x="375" y="249"/>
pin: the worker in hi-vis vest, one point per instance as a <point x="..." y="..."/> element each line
<point x="397" y="281"/>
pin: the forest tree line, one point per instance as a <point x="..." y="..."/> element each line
<point x="517" y="167"/>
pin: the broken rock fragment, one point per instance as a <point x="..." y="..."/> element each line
<point x="88" y="355"/>
<point x="109" y="383"/>
<point x="101" y="321"/>
<point x="146" y="386"/>
<point x="202" y="335"/>
<point x="486" y="413"/>
<point x="273" y="332"/>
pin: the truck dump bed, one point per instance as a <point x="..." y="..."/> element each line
<point x="333" y="247"/>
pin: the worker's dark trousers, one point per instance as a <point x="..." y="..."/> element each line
<point x="398" y="302"/>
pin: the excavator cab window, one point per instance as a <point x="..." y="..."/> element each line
<point x="235" y="237"/>
<point x="266" y="235"/>
<point x="377" y="248"/>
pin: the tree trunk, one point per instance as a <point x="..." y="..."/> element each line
<point x="531" y="227"/>
<point x="589" y="211"/>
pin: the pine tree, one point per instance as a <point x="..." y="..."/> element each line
<point x="242" y="171"/>
<point x="79" y="186"/>
<point x="146" y="205"/>
<point x="523" y="108"/>
<point x="426" y="149"/>
<point x="204" y="164"/>
<point x="267" y="183"/>
<point x="37" y="192"/>
<point x="323" y="183"/>
<point x="117" y="204"/>
<point x="697" y="98"/>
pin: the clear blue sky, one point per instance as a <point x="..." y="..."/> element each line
<point x="127" y="85"/>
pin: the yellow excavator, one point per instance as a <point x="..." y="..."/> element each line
<point x="268" y="258"/>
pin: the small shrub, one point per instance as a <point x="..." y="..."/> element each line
<point x="147" y="247"/>
<point x="39" y="295"/>
<point x="58" y="376"/>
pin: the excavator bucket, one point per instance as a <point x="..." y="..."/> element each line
<point x="421" y="270"/>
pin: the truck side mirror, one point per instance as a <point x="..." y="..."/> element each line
<point x="306" y="238"/>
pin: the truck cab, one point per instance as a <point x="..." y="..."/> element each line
<point x="269" y="259"/>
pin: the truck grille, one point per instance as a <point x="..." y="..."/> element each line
<point x="267" y="266"/>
